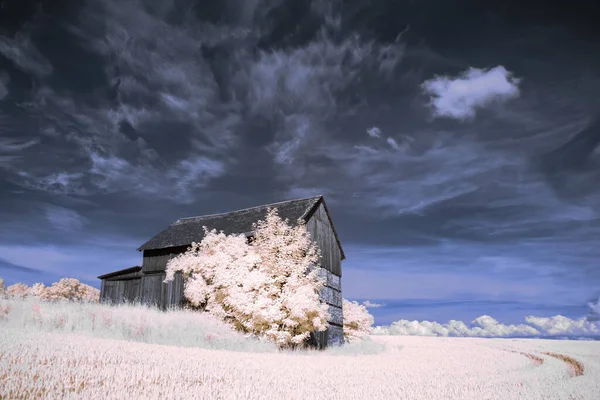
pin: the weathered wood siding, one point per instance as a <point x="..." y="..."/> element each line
<point x="156" y="260"/>
<point x="335" y="335"/>
<point x="172" y="295"/>
<point x="152" y="289"/>
<point x="118" y="291"/>
<point x="148" y="289"/>
<point x="330" y="294"/>
<point x="322" y="233"/>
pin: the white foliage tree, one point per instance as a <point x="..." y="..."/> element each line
<point x="70" y="289"/>
<point x="18" y="290"/>
<point x="264" y="287"/>
<point x="357" y="320"/>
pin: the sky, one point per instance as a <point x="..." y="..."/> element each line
<point x="457" y="145"/>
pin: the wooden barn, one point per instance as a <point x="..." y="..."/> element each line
<point x="145" y="284"/>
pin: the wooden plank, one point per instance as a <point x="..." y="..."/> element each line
<point x="335" y="314"/>
<point x="164" y="290"/>
<point x="132" y="290"/>
<point x="336" y="335"/>
<point x="156" y="263"/>
<point x="151" y="289"/>
<point x="178" y="285"/>
<point x="119" y="292"/>
<point x="156" y="260"/>
<point x="108" y="289"/>
<point x="330" y="296"/>
<point x="102" y="290"/>
<point x="322" y="233"/>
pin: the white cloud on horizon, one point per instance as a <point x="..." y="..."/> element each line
<point x="460" y="97"/>
<point x="486" y="326"/>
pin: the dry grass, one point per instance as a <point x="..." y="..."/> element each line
<point x="55" y="358"/>
<point x="537" y="360"/>
<point x="575" y="366"/>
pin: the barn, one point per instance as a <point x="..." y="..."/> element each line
<point x="145" y="283"/>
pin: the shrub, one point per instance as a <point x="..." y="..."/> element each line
<point x="68" y="289"/>
<point x="357" y="320"/>
<point x="18" y="290"/>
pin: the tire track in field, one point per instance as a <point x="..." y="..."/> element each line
<point x="536" y="360"/>
<point x="575" y="367"/>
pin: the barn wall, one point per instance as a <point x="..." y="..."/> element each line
<point x="331" y="294"/>
<point x="132" y="290"/>
<point x="335" y="335"/>
<point x="322" y="233"/>
<point x="102" y="290"/>
<point x="152" y="289"/>
<point x="156" y="260"/>
<point x="147" y="289"/>
<point x="172" y="294"/>
<point x="117" y="291"/>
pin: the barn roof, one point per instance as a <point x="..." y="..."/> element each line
<point x="184" y="231"/>
<point x="129" y="270"/>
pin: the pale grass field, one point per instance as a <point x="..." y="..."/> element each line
<point x="49" y="362"/>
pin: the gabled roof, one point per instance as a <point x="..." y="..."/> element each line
<point x="184" y="231"/>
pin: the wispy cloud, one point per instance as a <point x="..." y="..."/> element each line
<point x="59" y="182"/>
<point x="369" y="304"/>
<point x="459" y="97"/>
<point x="23" y="53"/>
<point x="11" y="145"/>
<point x="522" y="271"/>
<point x="72" y="261"/>
<point x="10" y="150"/>
<point x="64" y="219"/>
<point x="594" y="314"/>
<point x="4" y="79"/>
<point x="393" y="144"/>
<point x="397" y="180"/>
<point x="366" y="149"/>
<point x="374" y="132"/>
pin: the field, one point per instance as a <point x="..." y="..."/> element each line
<point x="54" y="351"/>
